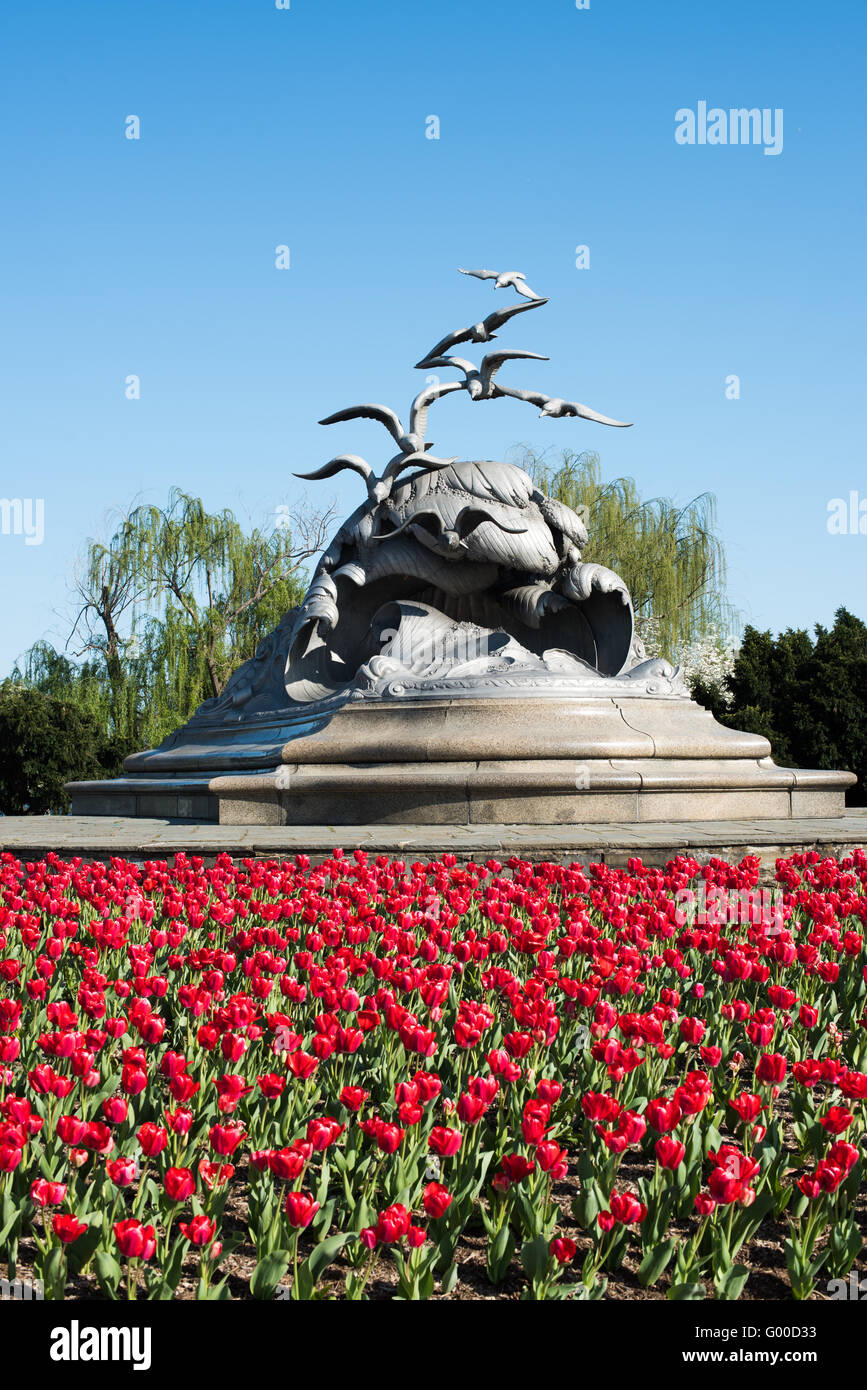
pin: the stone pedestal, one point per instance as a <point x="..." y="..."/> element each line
<point x="525" y="760"/>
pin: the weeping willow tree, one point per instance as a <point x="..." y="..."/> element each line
<point x="669" y="556"/>
<point x="168" y="607"/>
<point x="56" y="676"/>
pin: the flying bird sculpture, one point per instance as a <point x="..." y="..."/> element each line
<point x="407" y="441"/>
<point x="478" y="382"/>
<point x="504" y="280"/>
<point x="378" y="489"/>
<point x="481" y="332"/>
<point x="554" y="407"/>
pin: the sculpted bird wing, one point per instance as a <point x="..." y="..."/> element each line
<point x="564" y="408"/>
<point x="460" y="335"/>
<point x="428" y="463"/>
<point x="480" y="274"/>
<point x="562" y="518"/>
<point x="488" y="325"/>
<point x="575" y="408"/>
<point x="425" y="399"/>
<point x="493" y="361"/>
<point x="337" y="465"/>
<point x="531" y="397"/>
<point x="460" y="363"/>
<point x="496" y="319"/>
<point x="427" y="517"/>
<point x="523" y="288"/>
<point x="382" y="413"/>
<point x="470" y="517"/>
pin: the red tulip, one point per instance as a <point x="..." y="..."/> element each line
<point x="747" y="1106"/>
<point x="122" y="1171"/>
<point x="67" y="1228"/>
<point x="393" y="1224"/>
<point x="321" y="1134"/>
<point x="152" y="1138"/>
<point x="271" y="1085"/>
<point x="444" y="1142"/>
<point x="388" y="1138"/>
<point x="836" y="1119"/>
<point x="828" y="1175"/>
<point x="300" y="1209"/>
<point x="550" y="1156"/>
<point x="669" y="1152"/>
<point x="287" y="1164"/>
<point x="771" y="1068"/>
<point x="663" y="1115"/>
<point x="179" y="1183"/>
<point x="214" y="1174"/>
<point x="226" y="1138"/>
<point x="844" y="1156"/>
<point x="563" y="1249"/>
<point x="70" y="1129"/>
<point x="516" y="1167"/>
<point x="10" y="1156"/>
<point x="632" y="1126"/>
<point x="302" y="1065"/>
<point x="626" y="1209"/>
<point x="47" y="1194"/>
<point x="470" y="1108"/>
<point x="199" y="1230"/>
<point x="437" y="1200"/>
<point x="135" y="1241"/>
<point x="353" y="1097"/>
<point x="179" y="1121"/>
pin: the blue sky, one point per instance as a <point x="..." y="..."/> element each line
<point x="306" y="127"/>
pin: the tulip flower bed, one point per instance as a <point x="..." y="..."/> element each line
<point x="369" y="1079"/>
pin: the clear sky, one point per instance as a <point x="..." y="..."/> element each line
<point x="306" y="127"/>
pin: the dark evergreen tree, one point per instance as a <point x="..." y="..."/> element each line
<point x="44" y="742"/>
<point x="808" y="697"/>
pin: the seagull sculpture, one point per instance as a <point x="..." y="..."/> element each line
<point x="555" y="408"/>
<point x="504" y="280"/>
<point x="479" y="380"/>
<point x="407" y="441"/>
<point x="378" y="489"/>
<point x="410" y="441"/>
<point x="479" y="332"/>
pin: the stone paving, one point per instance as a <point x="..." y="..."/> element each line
<point x="99" y="837"/>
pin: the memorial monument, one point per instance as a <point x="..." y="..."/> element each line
<point x="456" y="660"/>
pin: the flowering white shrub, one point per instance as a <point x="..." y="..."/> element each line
<point x="708" y="660"/>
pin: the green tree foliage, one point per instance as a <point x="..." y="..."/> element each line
<point x="669" y="556"/>
<point x="166" y="609"/>
<point x="44" y="742"/>
<point x="809" y="697"/>
<point x="200" y="593"/>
